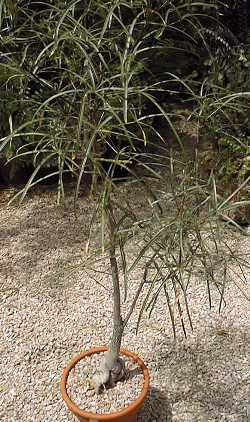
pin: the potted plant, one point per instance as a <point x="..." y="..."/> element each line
<point x="112" y="367"/>
<point x="113" y="133"/>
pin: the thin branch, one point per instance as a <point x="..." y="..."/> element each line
<point x="132" y="307"/>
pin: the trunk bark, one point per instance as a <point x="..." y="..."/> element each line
<point x="117" y="318"/>
<point x="112" y="368"/>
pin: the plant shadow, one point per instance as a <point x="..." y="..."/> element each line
<point x="156" y="407"/>
<point x="131" y="373"/>
<point x="209" y="378"/>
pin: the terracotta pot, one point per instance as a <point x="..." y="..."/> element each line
<point x="129" y="414"/>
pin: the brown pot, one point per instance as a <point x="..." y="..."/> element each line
<point x="129" y="414"/>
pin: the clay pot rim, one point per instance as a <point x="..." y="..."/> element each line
<point x="136" y="404"/>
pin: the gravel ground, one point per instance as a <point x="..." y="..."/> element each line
<point x="51" y="309"/>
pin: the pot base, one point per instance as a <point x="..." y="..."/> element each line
<point x="132" y="418"/>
